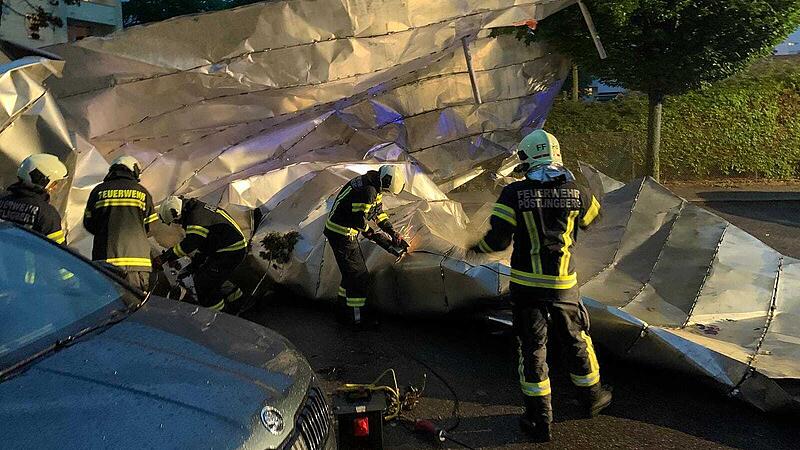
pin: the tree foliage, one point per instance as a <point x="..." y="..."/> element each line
<point x="745" y="126"/>
<point x="136" y="12"/>
<point x="37" y="16"/>
<point x="670" y="47"/>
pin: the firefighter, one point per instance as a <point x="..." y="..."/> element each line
<point x="220" y="247"/>
<point x="543" y="213"/>
<point x="118" y="213"/>
<point x="359" y="201"/>
<point x="27" y="202"/>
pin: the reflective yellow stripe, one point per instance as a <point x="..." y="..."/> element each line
<point x="126" y="262"/>
<point x="533" y="235"/>
<point x="506" y="213"/>
<point x="379" y="198"/>
<point x="484" y="247"/>
<point x="235" y="295"/>
<point x="594" y="376"/>
<point x="218" y="306"/>
<point x="342" y="292"/>
<point x="563" y="269"/>
<point x="362" y="207"/>
<point x="591" y="213"/>
<point x="120" y="202"/>
<point x="178" y="250"/>
<point x="57" y="237"/>
<point x="339" y="198"/>
<point x="151" y="218"/>
<point x="230" y="219"/>
<point x="232" y="248"/>
<point x="198" y="230"/>
<point x="345" y="231"/>
<point x="535" y="389"/>
<point x="543" y="281"/>
<point x="356" y="302"/>
<point x="383" y="217"/>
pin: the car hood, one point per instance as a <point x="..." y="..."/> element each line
<point x="171" y="375"/>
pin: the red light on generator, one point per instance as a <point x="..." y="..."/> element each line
<point x="361" y="427"/>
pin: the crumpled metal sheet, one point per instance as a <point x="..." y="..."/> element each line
<point x="276" y="105"/>
<point x="671" y="284"/>
<point x="31" y="119"/>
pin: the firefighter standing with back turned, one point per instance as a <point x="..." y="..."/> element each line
<point x="220" y="245"/>
<point x="27" y="202"/>
<point x="359" y="201"/>
<point x="119" y="213"/>
<point x="543" y="213"/>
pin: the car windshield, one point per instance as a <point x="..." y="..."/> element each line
<point x="47" y="294"/>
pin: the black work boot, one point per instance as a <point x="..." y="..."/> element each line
<point x="596" y="398"/>
<point x="537" y="418"/>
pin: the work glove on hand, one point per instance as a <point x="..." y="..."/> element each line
<point x="158" y="261"/>
<point x="368" y="233"/>
<point x="397" y="239"/>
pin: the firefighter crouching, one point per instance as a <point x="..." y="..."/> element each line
<point x="118" y="213"/>
<point x="220" y="247"/>
<point x="543" y="213"/>
<point x="359" y="201"/>
<point x="27" y="202"/>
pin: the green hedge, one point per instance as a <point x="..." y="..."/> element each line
<point x="748" y="126"/>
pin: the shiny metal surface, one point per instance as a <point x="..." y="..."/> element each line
<point x="276" y="105"/>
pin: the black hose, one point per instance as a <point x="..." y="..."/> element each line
<point x="456" y="402"/>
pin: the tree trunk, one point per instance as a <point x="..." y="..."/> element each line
<point x="575" y="84"/>
<point x="652" y="166"/>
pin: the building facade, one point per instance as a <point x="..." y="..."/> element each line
<point x="88" y="18"/>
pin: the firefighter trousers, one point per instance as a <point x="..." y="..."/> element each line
<point x="568" y="323"/>
<point x="355" y="276"/>
<point x="211" y="275"/>
<point x="139" y="279"/>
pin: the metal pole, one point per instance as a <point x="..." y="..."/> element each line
<point x="468" y="56"/>
<point x="592" y="30"/>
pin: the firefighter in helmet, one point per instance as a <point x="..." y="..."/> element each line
<point x="543" y="214"/>
<point x="118" y="213"/>
<point x="217" y="246"/>
<point x="358" y="202"/>
<point x="27" y="202"/>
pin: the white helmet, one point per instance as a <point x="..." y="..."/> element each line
<point x="130" y="163"/>
<point x="393" y="178"/>
<point x="42" y="170"/>
<point x="170" y="209"/>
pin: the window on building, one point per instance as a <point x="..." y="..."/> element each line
<point x="79" y="29"/>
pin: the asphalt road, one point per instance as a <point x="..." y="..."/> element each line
<point x="652" y="408"/>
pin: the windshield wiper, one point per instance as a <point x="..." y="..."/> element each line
<point x="117" y="315"/>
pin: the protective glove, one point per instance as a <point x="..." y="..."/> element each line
<point x="368" y="233"/>
<point x="159" y="261"/>
<point x="397" y="239"/>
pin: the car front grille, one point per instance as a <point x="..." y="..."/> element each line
<point x="313" y="423"/>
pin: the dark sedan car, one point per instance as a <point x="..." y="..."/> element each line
<point x="86" y="363"/>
